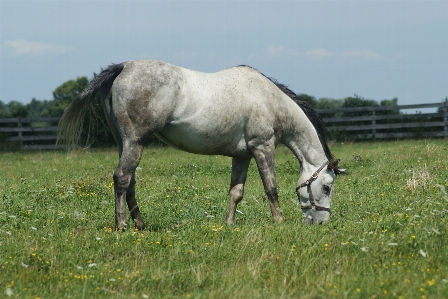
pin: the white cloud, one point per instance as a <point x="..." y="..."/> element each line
<point x="19" y="47"/>
<point x="281" y="51"/>
<point x="270" y="54"/>
<point x="364" y="54"/>
<point x="319" y="53"/>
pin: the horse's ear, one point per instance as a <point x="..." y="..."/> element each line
<point x="333" y="165"/>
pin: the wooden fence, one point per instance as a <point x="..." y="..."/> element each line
<point x="360" y="123"/>
<point x="385" y="122"/>
<point x="32" y="133"/>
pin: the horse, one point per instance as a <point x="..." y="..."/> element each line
<point x="237" y="112"/>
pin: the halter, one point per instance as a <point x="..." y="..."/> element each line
<point x="307" y="183"/>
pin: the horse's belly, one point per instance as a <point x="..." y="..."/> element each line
<point x="211" y="141"/>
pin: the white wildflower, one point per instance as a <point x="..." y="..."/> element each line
<point x="8" y="292"/>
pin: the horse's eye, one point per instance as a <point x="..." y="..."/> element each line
<point x="327" y="189"/>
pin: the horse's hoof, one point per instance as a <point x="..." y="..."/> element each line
<point x="278" y="219"/>
<point x="120" y="229"/>
<point x="139" y="224"/>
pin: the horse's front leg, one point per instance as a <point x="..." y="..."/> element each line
<point x="264" y="156"/>
<point x="236" y="191"/>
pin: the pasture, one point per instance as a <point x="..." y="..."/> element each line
<point x="387" y="236"/>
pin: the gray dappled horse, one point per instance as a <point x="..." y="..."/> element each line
<point x="237" y="112"/>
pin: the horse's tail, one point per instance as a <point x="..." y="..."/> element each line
<point x="71" y="122"/>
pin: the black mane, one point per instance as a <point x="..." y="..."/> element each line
<point x="312" y="115"/>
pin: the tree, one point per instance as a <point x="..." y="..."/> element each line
<point x="3" y="109"/>
<point x="13" y="109"/>
<point x="63" y="95"/>
<point x="389" y="103"/>
<point x="309" y="99"/>
<point x="36" y="107"/>
<point x="329" y="103"/>
<point x="94" y="120"/>
<point x="357" y="101"/>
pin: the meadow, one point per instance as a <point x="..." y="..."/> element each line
<point x="387" y="236"/>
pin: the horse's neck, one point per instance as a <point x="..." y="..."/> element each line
<point x="306" y="146"/>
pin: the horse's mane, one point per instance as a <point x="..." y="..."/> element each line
<point x="312" y="115"/>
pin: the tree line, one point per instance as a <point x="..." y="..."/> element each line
<point x="64" y="94"/>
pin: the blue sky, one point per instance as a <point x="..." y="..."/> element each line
<point x="375" y="49"/>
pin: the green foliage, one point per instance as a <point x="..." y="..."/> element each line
<point x="36" y="107"/>
<point x="70" y="89"/>
<point x="63" y="95"/>
<point x="389" y="103"/>
<point x="357" y="101"/>
<point x="309" y="99"/>
<point x="389" y="224"/>
<point x="328" y="103"/>
<point x="13" y="109"/>
<point x="392" y="102"/>
<point x="102" y="136"/>
<point x="322" y="103"/>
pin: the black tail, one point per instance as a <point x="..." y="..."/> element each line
<point x="70" y="124"/>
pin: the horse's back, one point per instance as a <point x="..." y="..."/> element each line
<point x="206" y="113"/>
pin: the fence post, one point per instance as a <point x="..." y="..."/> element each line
<point x="445" y="119"/>
<point x="373" y="124"/>
<point x="19" y="125"/>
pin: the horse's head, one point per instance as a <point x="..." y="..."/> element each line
<point x="315" y="191"/>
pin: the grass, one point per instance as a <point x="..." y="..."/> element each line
<point x="387" y="236"/>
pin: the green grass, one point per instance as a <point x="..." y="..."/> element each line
<point x="387" y="236"/>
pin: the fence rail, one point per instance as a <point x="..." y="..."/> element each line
<point x="383" y="122"/>
<point x="32" y="133"/>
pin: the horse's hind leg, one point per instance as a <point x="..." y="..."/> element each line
<point x="124" y="175"/>
<point x="120" y="180"/>
<point x="124" y="185"/>
<point x="133" y="206"/>
<point x="236" y="192"/>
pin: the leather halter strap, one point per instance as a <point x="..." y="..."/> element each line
<point x="307" y="184"/>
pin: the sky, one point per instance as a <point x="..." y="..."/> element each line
<point x="374" y="49"/>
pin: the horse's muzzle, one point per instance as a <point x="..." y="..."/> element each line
<point x="315" y="217"/>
